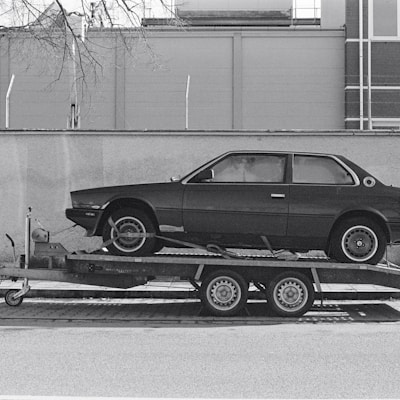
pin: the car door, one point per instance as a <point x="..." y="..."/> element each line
<point x="247" y="194"/>
<point x="322" y="187"/>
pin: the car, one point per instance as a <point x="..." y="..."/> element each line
<point x="296" y="201"/>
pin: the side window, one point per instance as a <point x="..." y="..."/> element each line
<point x="319" y="170"/>
<point x="250" y="168"/>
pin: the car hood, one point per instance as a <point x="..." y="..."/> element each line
<point x="98" y="197"/>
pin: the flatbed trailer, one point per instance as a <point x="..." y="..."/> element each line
<point x="221" y="280"/>
<point x="222" y="284"/>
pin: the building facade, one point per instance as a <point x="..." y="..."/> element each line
<point x="372" y="59"/>
<point x="228" y="68"/>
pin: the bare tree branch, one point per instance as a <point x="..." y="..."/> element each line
<point x="70" y="39"/>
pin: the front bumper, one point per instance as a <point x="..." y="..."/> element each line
<point x="87" y="218"/>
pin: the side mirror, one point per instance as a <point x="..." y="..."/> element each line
<point x="205" y="175"/>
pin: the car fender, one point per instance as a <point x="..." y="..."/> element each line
<point x="124" y="201"/>
<point x="358" y="211"/>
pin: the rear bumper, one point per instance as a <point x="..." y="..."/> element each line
<point x="87" y="218"/>
<point x="394" y="228"/>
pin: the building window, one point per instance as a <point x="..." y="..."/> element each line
<point x="386" y="124"/>
<point x="306" y="9"/>
<point x="385" y="18"/>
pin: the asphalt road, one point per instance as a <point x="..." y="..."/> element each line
<point x="81" y="350"/>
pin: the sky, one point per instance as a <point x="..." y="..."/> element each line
<point x="152" y="8"/>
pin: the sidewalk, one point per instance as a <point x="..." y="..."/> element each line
<point x="176" y="289"/>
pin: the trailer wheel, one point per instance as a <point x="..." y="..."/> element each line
<point x="224" y="293"/>
<point x="10" y="300"/>
<point x="290" y="294"/>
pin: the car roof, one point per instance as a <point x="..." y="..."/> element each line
<point x="309" y="153"/>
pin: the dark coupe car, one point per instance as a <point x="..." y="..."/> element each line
<point x="298" y="201"/>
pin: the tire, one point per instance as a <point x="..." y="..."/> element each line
<point x="10" y="300"/>
<point x="130" y="220"/>
<point x="358" y="240"/>
<point x="224" y="293"/>
<point x="290" y="294"/>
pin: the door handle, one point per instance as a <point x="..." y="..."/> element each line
<point x="278" y="195"/>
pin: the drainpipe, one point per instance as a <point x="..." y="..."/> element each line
<point x="187" y="102"/>
<point x="369" y="65"/>
<point x="361" y="61"/>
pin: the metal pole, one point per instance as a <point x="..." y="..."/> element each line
<point x="187" y="102"/>
<point x="361" y="61"/>
<point x="28" y="237"/>
<point x="369" y="65"/>
<point x="8" y="101"/>
<point x="74" y="109"/>
<point x="25" y="286"/>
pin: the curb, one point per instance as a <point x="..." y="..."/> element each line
<point x="188" y="294"/>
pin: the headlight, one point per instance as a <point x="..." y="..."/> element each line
<point x="86" y="204"/>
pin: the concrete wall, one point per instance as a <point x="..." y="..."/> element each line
<point x="40" y="168"/>
<point x="243" y="78"/>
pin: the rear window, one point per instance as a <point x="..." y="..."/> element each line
<point x="320" y="170"/>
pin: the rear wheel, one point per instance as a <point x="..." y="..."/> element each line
<point x="358" y="240"/>
<point x="131" y="233"/>
<point x="290" y="294"/>
<point x="224" y="293"/>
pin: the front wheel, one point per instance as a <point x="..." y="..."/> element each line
<point x="11" y="300"/>
<point x="129" y="232"/>
<point x="224" y="293"/>
<point x="290" y="294"/>
<point x="358" y="240"/>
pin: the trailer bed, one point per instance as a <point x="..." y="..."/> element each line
<point x="222" y="283"/>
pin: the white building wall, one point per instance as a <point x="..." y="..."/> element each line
<point x="333" y="14"/>
<point x="293" y="81"/>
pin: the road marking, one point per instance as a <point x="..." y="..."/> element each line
<point x="16" y="397"/>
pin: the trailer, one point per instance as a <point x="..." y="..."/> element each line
<point x="221" y="278"/>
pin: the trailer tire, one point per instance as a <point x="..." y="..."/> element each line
<point x="130" y="220"/>
<point x="10" y="300"/>
<point x="224" y="293"/>
<point x="290" y="294"/>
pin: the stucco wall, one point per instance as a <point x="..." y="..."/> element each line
<point x="39" y="168"/>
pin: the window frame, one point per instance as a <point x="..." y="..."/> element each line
<point x="188" y="179"/>
<point x="354" y="176"/>
<point x="372" y="24"/>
